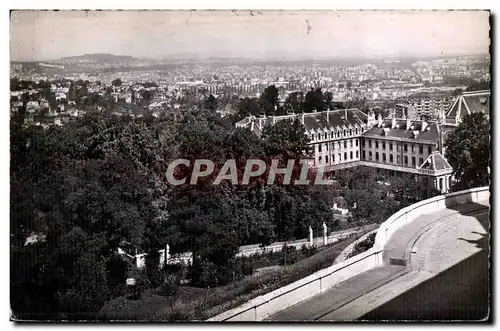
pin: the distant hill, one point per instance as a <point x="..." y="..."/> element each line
<point x="100" y="57"/>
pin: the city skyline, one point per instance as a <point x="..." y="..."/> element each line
<point x="37" y="36"/>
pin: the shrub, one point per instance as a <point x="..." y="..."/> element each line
<point x="288" y="255"/>
<point x="364" y="245"/>
<point x="308" y="251"/>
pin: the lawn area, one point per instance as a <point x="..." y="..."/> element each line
<point x="192" y="303"/>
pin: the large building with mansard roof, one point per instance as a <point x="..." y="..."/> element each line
<point x="349" y="137"/>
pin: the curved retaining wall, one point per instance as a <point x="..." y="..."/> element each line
<point x="429" y="206"/>
<point x="261" y="307"/>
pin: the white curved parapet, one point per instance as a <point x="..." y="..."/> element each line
<point x="263" y="306"/>
<point x="428" y="206"/>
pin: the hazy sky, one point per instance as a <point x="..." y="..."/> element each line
<point x="51" y="35"/>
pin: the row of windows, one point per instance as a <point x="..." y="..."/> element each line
<point x="337" y="144"/>
<point x="337" y="134"/>
<point x="405" y="146"/>
<point x="339" y="157"/>
<point x="391" y="158"/>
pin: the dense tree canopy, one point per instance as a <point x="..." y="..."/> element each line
<point x="79" y="190"/>
<point x="468" y="151"/>
<point x="269" y="100"/>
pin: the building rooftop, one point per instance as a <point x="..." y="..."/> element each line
<point x="416" y="132"/>
<point x="312" y="121"/>
<point x="468" y="103"/>
<point x="437" y="162"/>
<point x="334" y="118"/>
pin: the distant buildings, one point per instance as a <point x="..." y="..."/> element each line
<point x="430" y="108"/>
<point x="404" y="111"/>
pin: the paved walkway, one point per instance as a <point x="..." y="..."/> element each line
<point x="415" y="253"/>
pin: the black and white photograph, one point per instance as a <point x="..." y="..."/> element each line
<point x="250" y="166"/>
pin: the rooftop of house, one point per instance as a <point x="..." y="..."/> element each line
<point x="437" y="162"/>
<point x="313" y="122"/>
<point x="469" y="102"/>
<point x="417" y="131"/>
<point x="334" y="119"/>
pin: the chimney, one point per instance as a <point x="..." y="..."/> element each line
<point x="424" y="125"/>
<point x="415" y="134"/>
<point x="379" y="120"/>
<point x="252" y="124"/>
<point x="393" y="122"/>
<point x="408" y="124"/>
<point x="302" y="118"/>
<point x="274" y="120"/>
<point x="345" y="113"/>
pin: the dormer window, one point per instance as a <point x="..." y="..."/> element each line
<point x="482" y="100"/>
<point x="319" y="136"/>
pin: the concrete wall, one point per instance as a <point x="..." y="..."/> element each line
<point x="429" y="206"/>
<point x="261" y="307"/>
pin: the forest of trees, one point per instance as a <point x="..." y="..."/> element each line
<point x="88" y="185"/>
<point x="80" y="189"/>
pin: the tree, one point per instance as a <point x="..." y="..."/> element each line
<point x="294" y="102"/>
<point x="117" y="82"/>
<point x="457" y="92"/>
<point x="269" y="100"/>
<point x="468" y="151"/>
<point x="247" y="107"/>
<point x="83" y="187"/>
<point x="328" y="98"/>
<point x="14" y="84"/>
<point x="211" y="103"/>
<point x="203" y="221"/>
<point x="286" y="139"/>
<point x="314" y="101"/>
